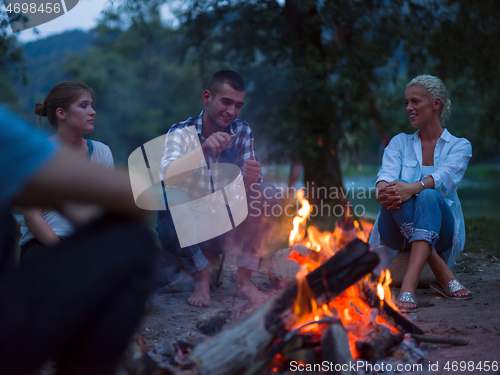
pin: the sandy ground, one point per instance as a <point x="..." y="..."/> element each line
<point x="478" y="320"/>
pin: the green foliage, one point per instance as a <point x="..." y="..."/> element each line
<point x="11" y="70"/>
<point x="326" y="78"/>
<point x="141" y="88"/>
<point x="44" y="66"/>
<point x="479" y="236"/>
<point x="315" y="68"/>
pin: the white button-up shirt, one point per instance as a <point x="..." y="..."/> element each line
<point x="403" y="160"/>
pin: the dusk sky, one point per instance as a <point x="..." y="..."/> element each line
<point x="83" y="16"/>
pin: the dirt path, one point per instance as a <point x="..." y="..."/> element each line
<point x="478" y="320"/>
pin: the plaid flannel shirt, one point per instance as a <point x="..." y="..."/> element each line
<point x="200" y="182"/>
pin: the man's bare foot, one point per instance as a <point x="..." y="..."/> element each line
<point x="246" y="289"/>
<point x="201" y="294"/>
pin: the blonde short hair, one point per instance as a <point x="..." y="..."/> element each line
<point x="435" y="88"/>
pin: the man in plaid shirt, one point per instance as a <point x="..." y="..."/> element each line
<point x="190" y="174"/>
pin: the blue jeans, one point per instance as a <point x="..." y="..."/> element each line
<point x="253" y="232"/>
<point x="424" y="217"/>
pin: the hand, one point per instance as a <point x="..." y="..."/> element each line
<point x="80" y="213"/>
<point x="402" y="189"/>
<point x="388" y="197"/>
<point x="216" y="142"/>
<point x="251" y="170"/>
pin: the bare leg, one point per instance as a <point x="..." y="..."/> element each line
<point x="443" y="273"/>
<point x="201" y="294"/>
<point x="245" y="288"/>
<point x="420" y="251"/>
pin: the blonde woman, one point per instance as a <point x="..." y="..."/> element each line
<point x="69" y="107"/>
<point x="417" y="190"/>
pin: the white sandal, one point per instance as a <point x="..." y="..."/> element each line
<point x="449" y="289"/>
<point x="407" y="297"/>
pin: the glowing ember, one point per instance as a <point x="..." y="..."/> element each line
<point x="348" y="307"/>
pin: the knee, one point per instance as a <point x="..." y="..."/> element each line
<point x="428" y="195"/>
<point x="165" y="228"/>
<point x="176" y="197"/>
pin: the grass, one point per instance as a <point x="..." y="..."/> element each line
<point x="483" y="169"/>
<point x="482" y="236"/>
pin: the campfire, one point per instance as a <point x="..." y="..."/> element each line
<point x="336" y="317"/>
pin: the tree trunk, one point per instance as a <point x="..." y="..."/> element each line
<point x="312" y="107"/>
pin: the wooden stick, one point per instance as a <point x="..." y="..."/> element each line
<point x="219" y="271"/>
<point x="255" y="369"/>
<point x="252" y="156"/>
<point x="394" y="317"/>
<point x="252" y="336"/>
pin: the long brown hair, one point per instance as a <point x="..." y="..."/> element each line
<point x="62" y="96"/>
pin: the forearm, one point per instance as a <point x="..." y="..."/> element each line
<point x="380" y="185"/>
<point x="42" y="231"/>
<point x="68" y="178"/>
<point x="178" y="170"/>
<point x="418" y="186"/>
<point x="428" y="182"/>
<point x="250" y="181"/>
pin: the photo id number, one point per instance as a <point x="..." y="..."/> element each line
<point x="26" y="8"/>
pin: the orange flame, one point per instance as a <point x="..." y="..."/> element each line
<point x="348" y="307"/>
<point x="384" y="290"/>
<point x="296" y="235"/>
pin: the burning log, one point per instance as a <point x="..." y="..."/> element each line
<point x="335" y="346"/>
<point x="251" y="337"/>
<point x="302" y="348"/>
<point x="377" y="343"/>
<point x="370" y="297"/>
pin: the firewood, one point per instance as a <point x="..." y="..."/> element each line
<point x="377" y="343"/>
<point x="235" y="349"/>
<point x="327" y="281"/>
<point x="335" y="346"/>
<point x="395" y="318"/>
<point x="301" y="349"/>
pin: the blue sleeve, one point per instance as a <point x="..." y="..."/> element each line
<point x="23" y="151"/>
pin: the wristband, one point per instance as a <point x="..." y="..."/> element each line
<point x="423" y="185"/>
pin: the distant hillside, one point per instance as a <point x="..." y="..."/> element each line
<point x="44" y="61"/>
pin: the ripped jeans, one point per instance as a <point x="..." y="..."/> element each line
<point x="425" y="216"/>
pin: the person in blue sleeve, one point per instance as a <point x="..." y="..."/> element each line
<point x="417" y="189"/>
<point x="80" y="302"/>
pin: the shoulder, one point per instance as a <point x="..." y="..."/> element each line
<point x="100" y="147"/>
<point x="24" y="151"/>
<point x="102" y="153"/>
<point x="400" y="140"/>
<point x="457" y="142"/>
<point x="183" y="132"/>
<point x="241" y="128"/>
<point x="183" y="124"/>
